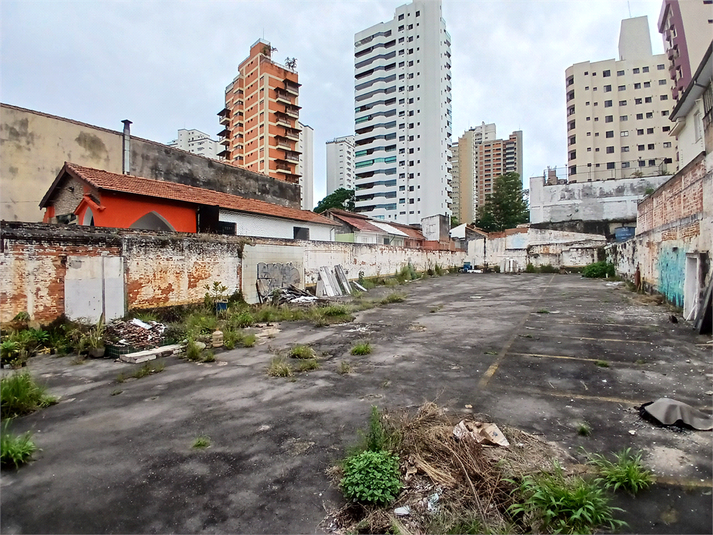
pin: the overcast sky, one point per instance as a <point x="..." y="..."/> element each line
<point x="165" y="64"/>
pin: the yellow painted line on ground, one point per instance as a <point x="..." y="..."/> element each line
<point x="571" y="395"/>
<point x="501" y="355"/>
<point x="685" y="482"/>
<point x="542" y="355"/>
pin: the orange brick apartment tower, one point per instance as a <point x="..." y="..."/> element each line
<point x="261" y="116"/>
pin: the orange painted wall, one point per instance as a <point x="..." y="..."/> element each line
<point x="121" y="211"/>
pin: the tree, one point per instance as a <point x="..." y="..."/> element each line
<point x="340" y="198"/>
<point x="505" y="208"/>
<point x="454" y="221"/>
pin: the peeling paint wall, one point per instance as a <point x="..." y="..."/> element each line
<point x="600" y="200"/>
<point x="513" y="249"/>
<point x="674" y="223"/>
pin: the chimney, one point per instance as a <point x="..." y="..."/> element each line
<point x="126" y="145"/>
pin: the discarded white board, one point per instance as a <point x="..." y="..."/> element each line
<point x="151" y="354"/>
<point x="329" y="285"/>
<point x="359" y="286"/>
<point x="488" y="434"/>
<point x="342" y="280"/>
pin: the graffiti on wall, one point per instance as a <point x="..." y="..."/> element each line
<point x="671" y="267"/>
<point x="274" y="275"/>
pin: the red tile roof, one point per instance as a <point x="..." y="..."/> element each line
<point x="358" y="222"/>
<point x="148" y="187"/>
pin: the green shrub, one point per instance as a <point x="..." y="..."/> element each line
<point x="193" y="350"/>
<point x="242" y="320"/>
<point x="201" y="322"/>
<point x="583" y="429"/>
<point x="371" y="477"/>
<point x="233" y="339"/>
<point x="550" y="502"/>
<point x="395" y="297"/>
<point x="334" y="310"/>
<point x="549" y="268"/>
<point x="149" y="368"/>
<point x="362" y="348"/>
<point x="15" y="449"/>
<point x="20" y="394"/>
<point x="599" y="270"/>
<point x="625" y="472"/>
<point x="438" y="269"/>
<point x="530" y="269"/>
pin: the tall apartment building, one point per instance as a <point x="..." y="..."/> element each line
<point x="340" y="164"/>
<point x="618" y="112"/>
<point x="306" y="165"/>
<point x="403" y="115"/>
<point x="261" y="116"/>
<point x="686" y="27"/>
<point x="196" y="142"/>
<point x="481" y="159"/>
<point x="455" y="183"/>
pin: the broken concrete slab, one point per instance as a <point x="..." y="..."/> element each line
<point x="151" y="354"/>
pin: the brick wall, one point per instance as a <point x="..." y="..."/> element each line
<point x="163" y="268"/>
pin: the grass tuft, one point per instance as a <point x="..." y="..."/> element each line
<point x="626" y="471"/>
<point x="15" y="449"/>
<point x="551" y="502"/>
<point x="201" y="442"/>
<point x="344" y="368"/>
<point x="543" y="311"/>
<point x="307" y="365"/>
<point x="362" y="348"/>
<point x="583" y="429"/>
<point x="279" y="367"/>
<point x="395" y="297"/>
<point x="20" y="394"/>
<point x="302" y="352"/>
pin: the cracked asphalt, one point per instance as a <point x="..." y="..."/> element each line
<point x="544" y="353"/>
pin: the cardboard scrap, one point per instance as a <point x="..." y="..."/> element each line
<point x="482" y="433"/>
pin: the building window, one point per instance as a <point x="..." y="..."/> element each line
<point x="666" y="128"/>
<point x="647" y="84"/>
<point x="639" y="131"/>
<point x="664" y="97"/>
<point x="645" y="69"/>
<point x="649" y="115"/>
<point x="621" y="88"/>
<point x="620" y="73"/>
<point x="570" y="80"/>
<point x="570" y="95"/>
<point x="640" y="147"/>
<point x="663" y="113"/>
<point x="610" y="133"/>
<point x="300" y="233"/>
<point x="636" y="70"/>
<point x="572" y="169"/>
<point x="610" y="150"/>
<point x="607" y="103"/>
<point x="639" y="116"/>
<point x="572" y="140"/>
<point x="662" y="82"/>
<point x="660" y="66"/>
<point x="637" y="86"/>
<point x="609" y="119"/>
<point x="611" y="165"/>
<point x="622" y="103"/>
<point x="624" y="118"/>
<point x="624" y="133"/>
<point x="649" y="130"/>
<point x="666" y="144"/>
<point x="573" y="155"/>
<point x="606" y="74"/>
<point x="651" y="146"/>
<point x="625" y="149"/>
<point x="647" y="100"/>
<point x="226" y="228"/>
<point x="625" y="165"/>
<point x="607" y="88"/>
<point x="638" y="101"/>
<point x="570" y="110"/>
<point x="570" y="125"/>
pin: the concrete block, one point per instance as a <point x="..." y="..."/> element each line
<point x="151" y="354"/>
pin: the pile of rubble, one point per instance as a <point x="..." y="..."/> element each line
<point x="292" y="294"/>
<point x="135" y="333"/>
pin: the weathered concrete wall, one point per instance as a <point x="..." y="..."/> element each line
<point x="35" y="145"/>
<point x="674" y="230"/>
<point x="33" y="149"/>
<point x="601" y="200"/>
<point x="513" y="249"/>
<point x="164" y="268"/>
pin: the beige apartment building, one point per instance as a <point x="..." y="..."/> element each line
<point x="481" y="159"/>
<point x="618" y="112"/>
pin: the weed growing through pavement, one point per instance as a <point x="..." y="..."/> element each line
<point x="307" y="365"/>
<point x="344" y="368"/>
<point x="201" y="442"/>
<point x="491" y="352"/>
<point x="395" y="297"/>
<point x="302" y="352"/>
<point x="583" y="429"/>
<point x="116" y="392"/>
<point x="15" y="449"/>
<point x="602" y="363"/>
<point x="362" y="348"/>
<point x="279" y="367"/>
<point x="543" y="311"/>
<point x="20" y="394"/>
<point x="626" y="471"/>
<point x="551" y="502"/>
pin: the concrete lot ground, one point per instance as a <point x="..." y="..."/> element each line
<point x="521" y="349"/>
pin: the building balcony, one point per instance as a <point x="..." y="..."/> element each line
<point x="225" y="142"/>
<point x="224" y="133"/>
<point x="285" y="169"/>
<point x="283" y="98"/>
<point x="292" y="156"/>
<point x="283" y="143"/>
<point x="225" y="112"/>
<point x="293" y="88"/>
<point x="293" y="134"/>
<point x="225" y="154"/>
<point x="224" y="120"/>
<point x="283" y="121"/>
<point x="293" y="111"/>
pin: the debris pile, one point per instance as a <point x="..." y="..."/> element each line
<point x="292" y="294"/>
<point x="451" y="472"/>
<point x="135" y="333"/>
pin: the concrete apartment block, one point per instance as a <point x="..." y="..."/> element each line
<point x="340" y="164"/>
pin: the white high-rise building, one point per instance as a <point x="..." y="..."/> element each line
<point x="403" y="117"/>
<point x="196" y="142"/>
<point x="340" y="163"/>
<point x="305" y="167"/>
